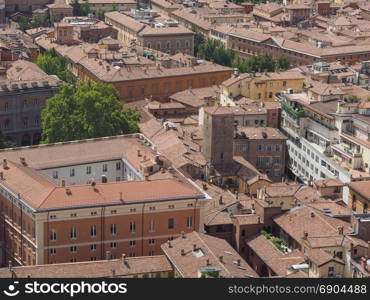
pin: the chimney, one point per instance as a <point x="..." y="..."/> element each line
<point x="182" y="252"/>
<point x="107" y="255"/>
<point x="138" y="153"/>
<point x="113" y="272"/>
<point x="183" y="234"/>
<point x="205" y="186"/>
<point x="123" y="258"/>
<point x="169" y="244"/>
<point x="305" y="235"/>
<point x="63" y="183"/>
<point x="5" y="164"/>
<point x="23" y="161"/>
<point x="340" y="230"/>
<point x="220" y="200"/>
<point x="363" y="263"/>
<point x="221" y="258"/>
<point x="194" y="247"/>
<point x="238" y="262"/>
<point x="207" y="262"/>
<point x="312" y="214"/>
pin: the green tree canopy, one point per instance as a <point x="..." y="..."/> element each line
<point x="80" y="9"/>
<point x="53" y="64"/>
<point x="89" y="110"/>
<point x="261" y="63"/>
<point x="216" y="51"/>
<point x="42" y="20"/>
<point x="4" y="143"/>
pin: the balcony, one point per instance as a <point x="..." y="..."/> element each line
<point x="295" y="114"/>
<point x="345" y="150"/>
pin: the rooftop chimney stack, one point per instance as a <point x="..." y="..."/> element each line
<point x="5" y="164"/>
<point x="221" y="258"/>
<point x="182" y="252"/>
<point x="238" y="262"/>
<point x="194" y="247"/>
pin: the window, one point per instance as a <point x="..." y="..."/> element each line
<point x="190" y="205"/>
<point x="118" y="166"/>
<point x="149" y="45"/>
<point x="151" y="226"/>
<point x="151" y="241"/>
<point x="113" y="245"/>
<point x="93" y="258"/>
<point x="158" y="45"/>
<point x="113" y="212"/>
<point x="73" y="215"/>
<point x="88" y="170"/>
<point x="132" y="227"/>
<point x="73" y="249"/>
<point x="94" y="213"/>
<point x="72" y="172"/>
<point x="151" y="253"/>
<point x="105" y="168"/>
<point x="177" y="44"/>
<point x="152" y="208"/>
<point x="25" y="122"/>
<point x="93" y="247"/>
<point x="132" y="243"/>
<point x="73" y="259"/>
<point x="93" y="231"/>
<point x="132" y="209"/>
<point x="35" y="102"/>
<point x="171" y="223"/>
<point x="189" y="222"/>
<point x="168" y="45"/>
<point x="53" y="235"/>
<point x="171" y="206"/>
<point x="73" y="233"/>
<point x="25" y="103"/>
<point x="36" y="121"/>
<point x="6" y="106"/>
<point x="113" y="229"/>
<point x="53" y="251"/>
<point x="55" y="174"/>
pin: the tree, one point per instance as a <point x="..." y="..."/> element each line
<point x="353" y="99"/>
<point x="89" y="110"/>
<point x="261" y="63"/>
<point x="282" y="63"/>
<point x="99" y="14"/>
<point x="4" y="143"/>
<point x="53" y="64"/>
<point x="77" y="9"/>
<point x="42" y="20"/>
<point x="216" y="51"/>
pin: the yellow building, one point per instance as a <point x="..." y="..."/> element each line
<point x="259" y="86"/>
<point x="359" y="196"/>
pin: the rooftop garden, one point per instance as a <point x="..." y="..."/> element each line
<point x="276" y="241"/>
